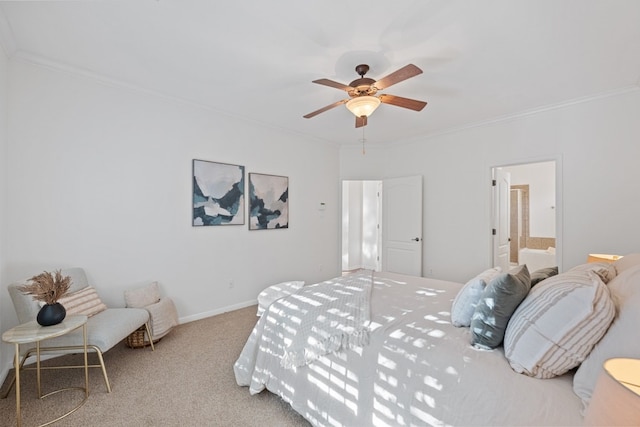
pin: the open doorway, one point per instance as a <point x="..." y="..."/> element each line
<point x="528" y="214"/>
<point x="361" y="225"/>
<point x="382" y="225"/>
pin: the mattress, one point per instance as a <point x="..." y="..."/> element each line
<point x="417" y="370"/>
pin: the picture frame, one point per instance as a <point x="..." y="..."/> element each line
<point x="268" y="201"/>
<point x="218" y="194"/>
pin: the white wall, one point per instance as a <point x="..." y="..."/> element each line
<point x="541" y="179"/>
<point x="5" y="304"/>
<point x="595" y="143"/>
<point x="100" y="177"/>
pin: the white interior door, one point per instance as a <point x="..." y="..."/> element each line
<point x="402" y="225"/>
<point x="502" y="200"/>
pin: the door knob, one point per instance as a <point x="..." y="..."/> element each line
<point x="417" y="239"/>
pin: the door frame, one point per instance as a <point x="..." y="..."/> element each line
<point x="559" y="209"/>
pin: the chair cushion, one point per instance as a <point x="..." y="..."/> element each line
<point x="105" y="329"/>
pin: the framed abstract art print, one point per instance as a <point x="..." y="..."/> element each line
<point x="218" y="193"/>
<point x="268" y="201"/>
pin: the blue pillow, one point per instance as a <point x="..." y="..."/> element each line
<point x="499" y="300"/>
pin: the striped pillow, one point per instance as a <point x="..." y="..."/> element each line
<point x="557" y="325"/>
<point x="605" y="270"/>
<point x="85" y="301"/>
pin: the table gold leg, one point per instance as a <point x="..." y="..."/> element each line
<point x="86" y="365"/>
<point x="17" y="368"/>
<point x="38" y="368"/>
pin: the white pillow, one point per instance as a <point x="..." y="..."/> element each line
<point x="558" y="323"/>
<point x="621" y="338"/>
<point x="275" y="292"/>
<point x="142" y="297"/>
<point x="605" y="270"/>
<point x="626" y="261"/>
<point x="464" y="304"/>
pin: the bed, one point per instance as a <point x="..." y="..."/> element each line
<point x="416" y="368"/>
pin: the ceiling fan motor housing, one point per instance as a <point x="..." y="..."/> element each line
<point x="362" y="86"/>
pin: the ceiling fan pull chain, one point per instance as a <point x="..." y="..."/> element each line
<point x="363" y="140"/>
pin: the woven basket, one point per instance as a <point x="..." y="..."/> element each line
<point x="137" y="338"/>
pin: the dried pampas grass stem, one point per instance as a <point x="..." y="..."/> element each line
<point x="47" y="287"/>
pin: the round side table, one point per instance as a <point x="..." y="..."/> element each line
<point x="32" y="332"/>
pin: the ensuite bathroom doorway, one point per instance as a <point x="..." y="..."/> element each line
<point x="525" y="219"/>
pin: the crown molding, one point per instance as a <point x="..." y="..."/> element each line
<point x="525" y="113"/>
<point x="56" y="66"/>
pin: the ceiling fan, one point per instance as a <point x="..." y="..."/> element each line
<point x="362" y="99"/>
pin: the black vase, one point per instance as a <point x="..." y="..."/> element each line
<point x="51" y="314"/>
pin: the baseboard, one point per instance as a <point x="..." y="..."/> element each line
<point x="217" y="311"/>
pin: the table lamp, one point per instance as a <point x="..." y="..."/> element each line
<point x="603" y="258"/>
<point x="616" y="397"/>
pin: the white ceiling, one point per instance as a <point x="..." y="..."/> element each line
<point x="255" y="59"/>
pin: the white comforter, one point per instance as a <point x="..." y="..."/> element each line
<point x="417" y="370"/>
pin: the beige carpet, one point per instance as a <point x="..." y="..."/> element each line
<point x="187" y="381"/>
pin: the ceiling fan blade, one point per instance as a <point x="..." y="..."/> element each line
<point x="402" y="74"/>
<point x="331" y="83"/>
<point x="361" y="121"/>
<point x="399" y="101"/>
<point x="323" y="109"/>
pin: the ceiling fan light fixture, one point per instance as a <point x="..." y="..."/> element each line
<point x="363" y="105"/>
